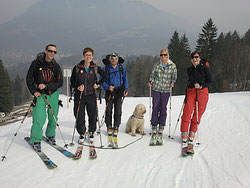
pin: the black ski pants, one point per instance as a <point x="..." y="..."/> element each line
<point x="115" y="101"/>
<point x="88" y="102"/>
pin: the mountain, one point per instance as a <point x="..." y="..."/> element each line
<point x="129" y="27"/>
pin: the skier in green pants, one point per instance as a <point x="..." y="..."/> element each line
<point x="43" y="79"/>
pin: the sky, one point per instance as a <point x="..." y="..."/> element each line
<point x="228" y="15"/>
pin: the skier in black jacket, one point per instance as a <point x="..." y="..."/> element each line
<point x="84" y="81"/>
<point x="44" y="77"/>
<point x="199" y="79"/>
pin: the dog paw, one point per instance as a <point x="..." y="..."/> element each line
<point x="133" y="134"/>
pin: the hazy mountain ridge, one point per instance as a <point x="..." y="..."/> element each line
<point x="130" y="27"/>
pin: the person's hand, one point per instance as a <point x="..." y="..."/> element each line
<point x="41" y="86"/>
<point x="171" y="84"/>
<point x="81" y="88"/>
<point x="37" y="94"/>
<point x="111" y="88"/>
<point x="149" y="84"/>
<point x="197" y="86"/>
<point x="125" y="93"/>
<point x="95" y="86"/>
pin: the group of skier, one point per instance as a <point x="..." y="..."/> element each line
<point x="44" y="77"/>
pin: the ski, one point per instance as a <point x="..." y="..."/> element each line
<point x="92" y="151"/>
<point x="78" y="153"/>
<point x="184" y="151"/>
<point x="153" y="140"/>
<point x="59" y="148"/>
<point x="115" y="146"/>
<point x="110" y="141"/>
<point x="159" y="141"/>
<point x="50" y="164"/>
<point x="190" y="149"/>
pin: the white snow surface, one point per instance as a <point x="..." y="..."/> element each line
<point x="222" y="160"/>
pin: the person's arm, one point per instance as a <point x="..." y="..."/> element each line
<point x="30" y="78"/>
<point x="102" y="74"/>
<point x="208" y="78"/>
<point x="174" y="74"/>
<point x="73" y="78"/>
<point x="105" y="84"/>
<point x="125" y="79"/>
<point x="152" y="75"/>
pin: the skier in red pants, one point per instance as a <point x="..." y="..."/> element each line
<point x="199" y="79"/>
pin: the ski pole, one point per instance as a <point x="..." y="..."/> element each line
<point x="169" y="127"/>
<point x="123" y="98"/>
<point x="32" y="104"/>
<point x="150" y="103"/>
<point x="77" y="114"/>
<point x="185" y="100"/>
<point x="46" y="98"/>
<point x="197" y="118"/>
<point x="178" y="118"/>
<point x="99" y="125"/>
<point x="107" y="104"/>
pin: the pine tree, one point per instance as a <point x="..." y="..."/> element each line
<point x="246" y="59"/>
<point x="207" y="40"/>
<point x="138" y="73"/>
<point x="174" y="46"/>
<point x="6" y="94"/>
<point x="179" y="51"/>
<point x="17" y="90"/>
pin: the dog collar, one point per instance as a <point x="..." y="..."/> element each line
<point x="139" y="117"/>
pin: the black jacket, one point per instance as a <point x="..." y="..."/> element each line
<point x="199" y="74"/>
<point x="88" y="79"/>
<point x="43" y="72"/>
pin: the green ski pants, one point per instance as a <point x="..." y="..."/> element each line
<point x="39" y="115"/>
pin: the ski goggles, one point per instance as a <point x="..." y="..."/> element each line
<point x="114" y="57"/>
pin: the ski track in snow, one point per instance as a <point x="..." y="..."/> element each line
<point x="222" y="160"/>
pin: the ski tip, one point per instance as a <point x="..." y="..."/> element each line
<point x="52" y="167"/>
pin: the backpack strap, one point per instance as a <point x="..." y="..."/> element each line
<point x="108" y="72"/>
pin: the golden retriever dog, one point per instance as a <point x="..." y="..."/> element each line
<point x="135" y="123"/>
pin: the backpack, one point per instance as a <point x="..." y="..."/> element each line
<point x="204" y="62"/>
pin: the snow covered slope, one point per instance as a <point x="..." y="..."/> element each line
<point x="222" y="159"/>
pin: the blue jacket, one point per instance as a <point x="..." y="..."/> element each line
<point x="114" y="78"/>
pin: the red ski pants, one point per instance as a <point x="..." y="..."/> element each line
<point x="190" y="109"/>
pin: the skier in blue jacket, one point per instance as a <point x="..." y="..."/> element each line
<point x="116" y="87"/>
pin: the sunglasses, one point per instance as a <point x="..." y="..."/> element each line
<point x="51" y="51"/>
<point x="89" y="55"/>
<point x="195" y="57"/>
<point x="163" y="54"/>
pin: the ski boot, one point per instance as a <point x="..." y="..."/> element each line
<point x="92" y="151"/>
<point x="78" y="153"/>
<point x="153" y="139"/>
<point x="184" y="138"/>
<point x="81" y="139"/>
<point x="115" y="134"/>
<point x="110" y="137"/>
<point x="37" y="146"/>
<point x="190" y="147"/>
<point x="159" y="141"/>
<point x="52" y="140"/>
